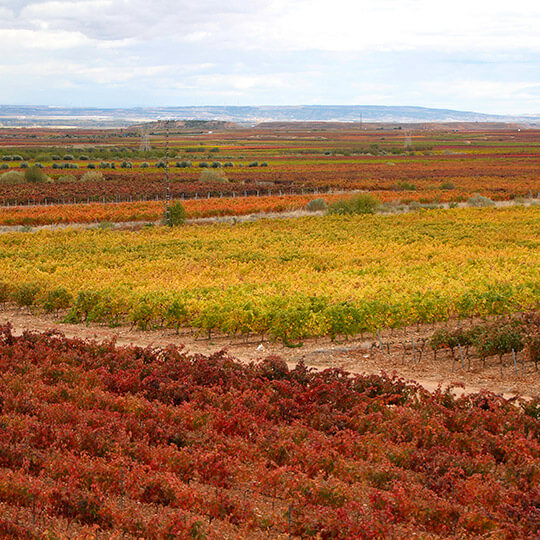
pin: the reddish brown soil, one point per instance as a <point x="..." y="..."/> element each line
<point x="356" y="355"/>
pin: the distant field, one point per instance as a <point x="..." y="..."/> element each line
<point x="426" y="166"/>
<point x="290" y="280"/>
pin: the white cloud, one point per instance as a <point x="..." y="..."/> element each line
<point x="476" y="53"/>
<point x="38" y="39"/>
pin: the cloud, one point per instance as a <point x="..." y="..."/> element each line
<point x="465" y="54"/>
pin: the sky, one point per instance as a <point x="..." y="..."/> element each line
<point x="472" y="55"/>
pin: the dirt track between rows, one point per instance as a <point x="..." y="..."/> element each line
<point x="356" y="355"/>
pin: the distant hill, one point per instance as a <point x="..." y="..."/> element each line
<point x="108" y="117"/>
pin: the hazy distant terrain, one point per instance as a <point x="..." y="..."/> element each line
<point x="17" y="116"/>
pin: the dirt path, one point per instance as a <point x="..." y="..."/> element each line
<point x="356" y="356"/>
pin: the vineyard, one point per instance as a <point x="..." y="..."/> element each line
<point x="131" y="442"/>
<point x="332" y="276"/>
<point x="444" y="166"/>
<point x="153" y="210"/>
<point x="99" y="440"/>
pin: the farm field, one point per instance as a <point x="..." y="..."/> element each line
<point x="327" y="376"/>
<point x="131" y="442"/>
<point x="315" y="276"/>
<point x="427" y="166"/>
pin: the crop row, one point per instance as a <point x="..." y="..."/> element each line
<point x="154" y="442"/>
<point x="495" y="178"/>
<point x="153" y="210"/>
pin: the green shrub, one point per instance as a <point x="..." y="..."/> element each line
<point x="479" y="201"/>
<point x="405" y="186"/>
<point x="25" y="295"/>
<point x="24" y="165"/>
<point x="56" y="300"/>
<point x="175" y="215"/>
<point x="363" y="203"/>
<point x="161" y="164"/>
<point x="12" y="177"/>
<point x="447" y="185"/>
<point x="34" y="175"/>
<point x="145" y="165"/>
<point x="212" y="175"/>
<point x="68" y="157"/>
<point x="176" y="314"/>
<point x="92" y="176"/>
<point x="316" y="205"/>
<point x="4" y="166"/>
<point x="67" y="178"/>
<point x="183" y="164"/>
<point x="253" y="164"/>
<point x="216" y="165"/>
<point x="142" y="315"/>
<point x="203" y="165"/>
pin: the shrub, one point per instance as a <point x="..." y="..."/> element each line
<point x="203" y="165"/>
<point x="264" y="164"/>
<point x="364" y="203"/>
<point x="447" y="185"/>
<point x="92" y="176"/>
<point x="254" y="164"/>
<point x="405" y="186"/>
<point x="68" y="157"/>
<point x="12" y="177"/>
<point x="216" y="165"/>
<point x="7" y="158"/>
<point x="161" y="164"/>
<point x="84" y="158"/>
<point x="67" y="178"/>
<point x="145" y="165"/>
<point x="126" y="165"/>
<point x="56" y="300"/>
<point x="142" y="315"/>
<point x="91" y="166"/>
<point x="175" y="215"/>
<point x="26" y="294"/>
<point x="4" y="166"/>
<point x="176" y="314"/>
<point x="479" y="201"/>
<point x="212" y="175"/>
<point x="183" y="164"/>
<point x="17" y="158"/>
<point x="228" y="164"/>
<point x="316" y="205"/>
<point x="24" y="165"/>
<point x="34" y="175"/>
<point x="56" y="157"/>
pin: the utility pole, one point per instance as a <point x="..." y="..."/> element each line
<point x="167" y="178"/>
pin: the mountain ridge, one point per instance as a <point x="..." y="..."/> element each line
<point x="25" y="115"/>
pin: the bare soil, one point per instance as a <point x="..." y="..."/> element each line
<point x="359" y="355"/>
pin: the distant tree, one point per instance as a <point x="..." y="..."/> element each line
<point x="175" y="214"/>
<point x="34" y="175"/>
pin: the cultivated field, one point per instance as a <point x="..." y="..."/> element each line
<point x="100" y="439"/>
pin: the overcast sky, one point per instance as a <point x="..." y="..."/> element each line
<point x="466" y="54"/>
